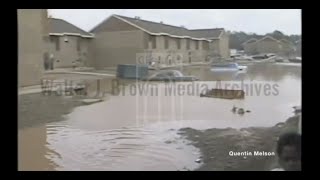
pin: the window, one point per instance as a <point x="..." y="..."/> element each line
<point x="166" y="42"/>
<point x="205" y="45"/>
<point x="56" y="40"/>
<point x="58" y="44"/>
<point x="197" y="44"/>
<point x="79" y="44"/>
<point x="179" y="57"/>
<point x="178" y="43"/>
<point x="188" y="43"/>
<point x="154" y="42"/>
<point x="152" y="39"/>
<point x="146" y="42"/>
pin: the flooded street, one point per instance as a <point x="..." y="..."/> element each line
<point x="61" y="147"/>
<point x="137" y="130"/>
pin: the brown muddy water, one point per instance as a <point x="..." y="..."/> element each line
<point x="137" y="130"/>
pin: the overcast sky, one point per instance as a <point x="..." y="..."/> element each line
<point x="258" y="21"/>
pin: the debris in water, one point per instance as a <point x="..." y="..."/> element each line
<point x="90" y="101"/>
<point x="248" y="111"/>
<point x="241" y="111"/>
<point x="234" y="109"/>
<point x="198" y="160"/>
<point x="224" y="94"/>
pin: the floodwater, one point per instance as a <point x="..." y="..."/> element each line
<point x="137" y="128"/>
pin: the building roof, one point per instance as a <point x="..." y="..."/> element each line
<point x="155" y="28"/>
<point x="207" y="33"/>
<point x="286" y="41"/>
<point x="268" y="37"/>
<point x="252" y="40"/>
<point x="62" y="27"/>
<point x="273" y="39"/>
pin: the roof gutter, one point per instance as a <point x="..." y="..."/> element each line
<point x="71" y="34"/>
<point x="182" y="37"/>
<point x="161" y="33"/>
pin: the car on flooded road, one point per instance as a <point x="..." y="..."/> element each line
<point x="228" y="67"/>
<point x="169" y="75"/>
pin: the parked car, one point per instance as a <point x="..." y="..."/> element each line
<point x="169" y="75"/>
<point x="227" y="67"/>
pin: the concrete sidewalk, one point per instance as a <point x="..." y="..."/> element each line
<point x="38" y="89"/>
<point x="80" y="73"/>
<point x="184" y="64"/>
<point x="70" y="69"/>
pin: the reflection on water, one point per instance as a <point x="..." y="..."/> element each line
<point x="263" y="72"/>
<point x="119" y="149"/>
<point x="131" y="132"/>
<point x="59" y="146"/>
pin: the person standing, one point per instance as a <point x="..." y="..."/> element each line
<point x="46" y="60"/>
<point x="51" y="61"/>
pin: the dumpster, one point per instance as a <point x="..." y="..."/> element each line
<point x="132" y="71"/>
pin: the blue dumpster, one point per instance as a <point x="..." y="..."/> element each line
<point x="132" y="71"/>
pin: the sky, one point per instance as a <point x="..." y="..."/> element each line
<point x="259" y="21"/>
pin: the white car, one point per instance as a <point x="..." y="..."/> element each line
<point x="169" y="75"/>
<point x="228" y="67"/>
